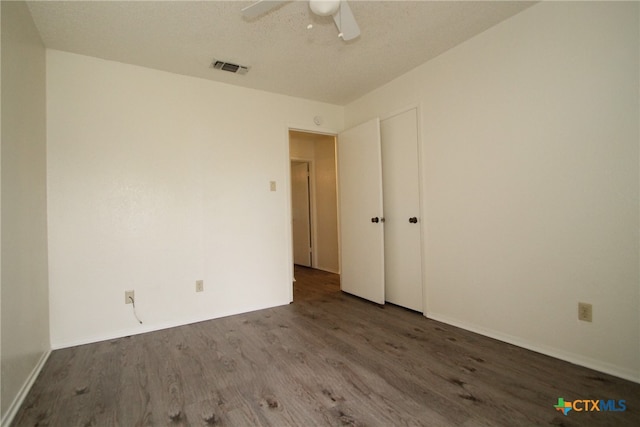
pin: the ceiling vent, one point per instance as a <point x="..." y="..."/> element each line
<point x="228" y="66"/>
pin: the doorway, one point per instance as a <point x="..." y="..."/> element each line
<point x="315" y="245"/>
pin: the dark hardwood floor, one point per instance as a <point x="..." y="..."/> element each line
<point x="327" y="359"/>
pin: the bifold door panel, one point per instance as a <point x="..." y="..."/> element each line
<point x="401" y="189"/>
<point x="379" y="182"/>
<point x="361" y="225"/>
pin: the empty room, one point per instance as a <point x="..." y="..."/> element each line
<point x="437" y="223"/>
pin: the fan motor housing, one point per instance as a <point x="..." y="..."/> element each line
<point x="324" y="7"/>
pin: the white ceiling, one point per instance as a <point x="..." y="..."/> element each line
<point x="183" y="37"/>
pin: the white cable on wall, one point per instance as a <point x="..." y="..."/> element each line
<point x="133" y="304"/>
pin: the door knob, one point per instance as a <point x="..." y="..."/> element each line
<point x="375" y="219"/>
<point x="413" y="220"/>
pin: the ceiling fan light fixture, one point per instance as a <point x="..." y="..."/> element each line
<point x="324" y="7"/>
<point x="338" y="9"/>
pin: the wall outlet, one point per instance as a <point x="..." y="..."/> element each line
<point x="129" y="297"/>
<point x="585" y="312"/>
<point x="199" y="285"/>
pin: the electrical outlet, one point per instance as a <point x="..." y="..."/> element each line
<point x="199" y="285"/>
<point x="129" y="297"/>
<point x="585" y="312"/>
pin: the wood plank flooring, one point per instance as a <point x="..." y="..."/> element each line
<point x="328" y="359"/>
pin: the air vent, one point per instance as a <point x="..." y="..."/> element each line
<point x="228" y="66"/>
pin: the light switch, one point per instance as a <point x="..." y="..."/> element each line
<point x="272" y="185"/>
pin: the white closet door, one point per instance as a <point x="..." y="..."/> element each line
<point x="400" y="168"/>
<point x="361" y="225"/>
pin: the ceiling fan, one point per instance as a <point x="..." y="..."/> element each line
<point x="343" y="17"/>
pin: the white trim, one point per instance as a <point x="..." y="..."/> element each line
<point x="424" y="201"/>
<point x="306" y="129"/>
<point x="574" y="358"/>
<point x="288" y="217"/>
<point x="335" y="166"/>
<point x="423" y="217"/>
<point x="24" y="390"/>
<point x="143" y="329"/>
<point x="328" y="270"/>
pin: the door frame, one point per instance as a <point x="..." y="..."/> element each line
<point x="288" y="217"/>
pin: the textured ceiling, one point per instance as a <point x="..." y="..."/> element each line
<point x="285" y="57"/>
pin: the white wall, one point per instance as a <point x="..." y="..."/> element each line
<point x="25" y="314"/>
<point x="155" y="181"/>
<point x="531" y="179"/>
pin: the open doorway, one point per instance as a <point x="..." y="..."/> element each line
<point x="314" y="155"/>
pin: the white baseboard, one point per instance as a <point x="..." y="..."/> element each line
<point x="328" y="270"/>
<point x="153" y="327"/>
<point x="24" y="390"/>
<point x="574" y="358"/>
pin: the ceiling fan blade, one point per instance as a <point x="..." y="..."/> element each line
<point x="346" y="22"/>
<point x="261" y="7"/>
